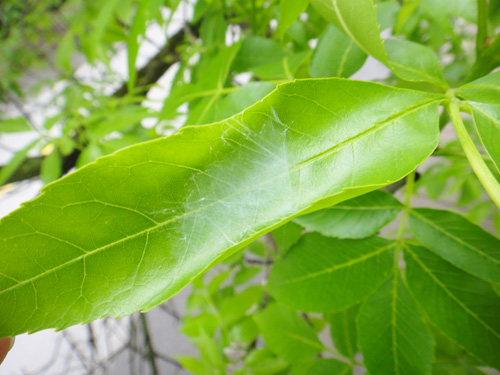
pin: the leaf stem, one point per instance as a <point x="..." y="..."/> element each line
<point x="482" y="25"/>
<point x="489" y="182"/>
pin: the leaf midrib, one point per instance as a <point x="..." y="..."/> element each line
<point x="319" y="156"/>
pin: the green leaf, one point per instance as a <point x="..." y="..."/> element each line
<point x="290" y="10"/>
<point x="14" y="125"/>
<point x="234" y="102"/>
<point x="484" y="99"/>
<point x="236" y="307"/>
<point x="330" y="366"/>
<point x="353" y="268"/>
<point x="410" y="61"/>
<point x="459" y="241"/>
<point x="192" y="364"/>
<point x="482" y="90"/>
<point x="287" y="334"/>
<point x="463" y="307"/>
<point x="51" y="167"/>
<point x="286" y="236"/>
<point x="14" y="163"/>
<point x="392" y="334"/>
<point x="210" y="86"/>
<point x="360" y="217"/>
<point x="336" y="55"/>
<point x="345" y="14"/>
<point x="487" y="122"/>
<point x="343" y="331"/>
<point x="387" y="13"/>
<point x="415" y="62"/>
<point x="216" y="188"/>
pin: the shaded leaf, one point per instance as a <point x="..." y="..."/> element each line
<point x="330" y="366"/>
<point x="463" y="307"/>
<point x="392" y="334"/>
<point x="459" y="241"/>
<point x="286" y="236"/>
<point x="360" y="217"/>
<point x="351" y="269"/>
<point x="15" y="162"/>
<point x="51" y="167"/>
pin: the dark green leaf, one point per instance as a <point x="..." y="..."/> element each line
<point x="392" y="334"/>
<point x="463" y="307"/>
<point x="360" y="217"/>
<point x="352" y="269"/>
<point x="459" y="241"/>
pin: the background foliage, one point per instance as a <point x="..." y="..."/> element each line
<point x="333" y="291"/>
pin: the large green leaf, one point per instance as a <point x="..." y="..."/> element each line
<point x="14" y="125"/>
<point x="131" y="230"/>
<point x="360" y="217"/>
<point x="392" y="334"/>
<point x="351" y="269"/>
<point x="287" y="334"/>
<point x="463" y="307"/>
<point x="459" y="241"/>
<point x="336" y="55"/>
<point x="410" y="61"/>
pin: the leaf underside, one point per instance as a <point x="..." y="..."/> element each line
<point x="130" y="230"/>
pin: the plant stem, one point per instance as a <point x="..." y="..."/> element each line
<point x="149" y="345"/>
<point x="410" y="185"/>
<point x="489" y="182"/>
<point x="482" y="26"/>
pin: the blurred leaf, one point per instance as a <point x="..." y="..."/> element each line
<point x="14" y="125"/>
<point x="15" y="162"/>
<point x="287" y="334"/>
<point x="290" y="10"/>
<point x="344" y="332"/>
<point x="286" y="236"/>
<point x="336" y="55"/>
<point x="51" y="167"/>
<point x="329" y="367"/>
